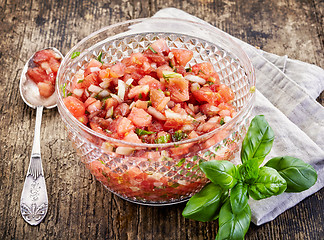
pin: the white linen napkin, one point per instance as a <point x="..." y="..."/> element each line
<point x="286" y="94"/>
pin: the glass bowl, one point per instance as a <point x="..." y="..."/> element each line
<point x="159" y="174"/>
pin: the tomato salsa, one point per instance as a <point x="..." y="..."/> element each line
<point x="43" y="71"/>
<point x="154" y="96"/>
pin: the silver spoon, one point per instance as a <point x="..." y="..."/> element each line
<point x="34" y="201"/>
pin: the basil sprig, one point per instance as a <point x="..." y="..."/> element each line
<point x="280" y="174"/>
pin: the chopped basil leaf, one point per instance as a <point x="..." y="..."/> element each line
<point x="222" y="121"/>
<point x="141" y="132"/>
<point x="182" y="160"/>
<point x="64" y="90"/>
<point x="169" y="74"/>
<point x="152" y="49"/>
<point x="81" y="80"/>
<point x="201" y="72"/>
<point x="75" y="54"/>
<point x="69" y="94"/>
<point x="163" y="139"/>
<point x="108" y="131"/>
<point x="189" y="69"/>
<point x="140" y="96"/>
<point x="170" y="64"/>
<point x="210" y="83"/>
<point x="179" y="135"/>
<point x="99" y="57"/>
<point x="149" y="103"/>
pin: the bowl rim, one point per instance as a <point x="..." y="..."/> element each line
<point x="88" y="130"/>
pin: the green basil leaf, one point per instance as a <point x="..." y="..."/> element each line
<point x="75" y="54"/>
<point x="233" y="226"/>
<point x="223" y="173"/>
<point x="141" y="132"/>
<point x="239" y="198"/>
<point x="268" y="183"/>
<point x="257" y="142"/>
<point x="204" y="206"/>
<point x="298" y="174"/>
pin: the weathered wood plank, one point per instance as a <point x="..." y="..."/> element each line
<point x="79" y="207"/>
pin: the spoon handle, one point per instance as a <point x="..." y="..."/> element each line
<point x="34" y="202"/>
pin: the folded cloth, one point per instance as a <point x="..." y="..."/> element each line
<point x="286" y="94"/>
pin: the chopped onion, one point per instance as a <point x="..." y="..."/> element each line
<point x="46" y="66"/>
<point x="196" y="79"/>
<point x="195" y="87"/>
<point x="153" y="65"/>
<point x="187" y="127"/>
<point x="104" y="93"/>
<point x="93" y="95"/>
<point x="121" y="89"/>
<point x="170" y="55"/>
<point x="87" y="93"/>
<point x="177" y="116"/>
<point x="129" y="81"/>
<point x="94" y="88"/>
<point x="201" y="118"/>
<point x="116" y="97"/>
<point x="107" y="147"/>
<point x="94" y="69"/>
<point x="125" y="150"/>
<point x="110" y="112"/>
<point x="131" y="105"/>
<point x="104" y="84"/>
<point x="155" y="113"/>
<point x="227" y="119"/>
<point x="78" y="92"/>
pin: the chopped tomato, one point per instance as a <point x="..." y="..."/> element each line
<point x="160" y="46"/>
<point x="54" y="64"/>
<point x="182" y="56"/>
<point x="158" y="99"/>
<point x="46" y="89"/>
<point x="205" y="94"/>
<point x="140" y="117"/>
<point x="179" y="89"/>
<point x="111" y="102"/>
<point x="124" y="125"/>
<point x="132" y="137"/>
<point x="93" y="66"/>
<point x="90" y="79"/>
<point x="37" y="74"/>
<point x="157" y="58"/>
<point x="141" y="104"/>
<point x="94" y="107"/>
<point x="117" y="70"/>
<point x="122" y="110"/>
<point x="43" y="56"/>
<point x="139" y="91"/>
<point x="75" y="106"/>
<point x="203" y="70"/>
<point x="226" y="93"/>
<point x="151" y="82"/>
<point x="159" y="70"/>
<point x="209" y="109"/>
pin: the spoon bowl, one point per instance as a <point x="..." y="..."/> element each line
<point x="29" y="90"/>
<point x="34" y="201"/>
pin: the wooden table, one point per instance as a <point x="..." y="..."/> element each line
<point x="79" y="206"/>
